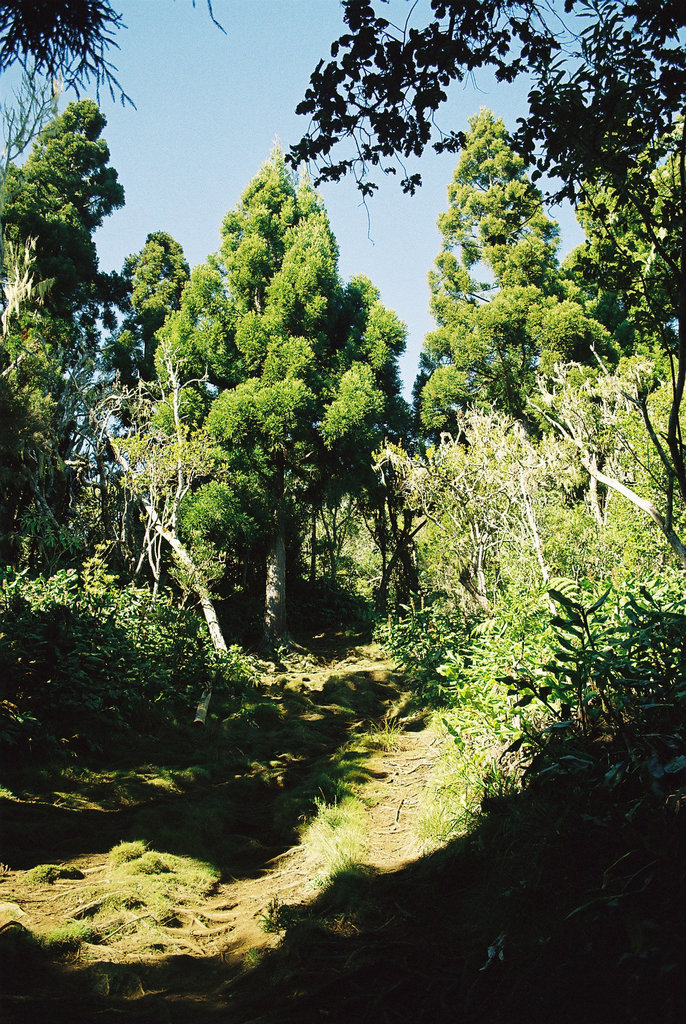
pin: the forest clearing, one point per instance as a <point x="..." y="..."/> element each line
<point x="343" y="669"/>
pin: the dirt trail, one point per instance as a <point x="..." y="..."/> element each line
<point x="393" y="838"/>
<point x="237" y="911"/>
<point x="328" y="701"/>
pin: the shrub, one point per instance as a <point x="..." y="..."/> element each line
<point x="614" y="690"/>
<point x="420" y="642"/>
<point x="76" y="652"/>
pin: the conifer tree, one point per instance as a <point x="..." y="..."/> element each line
<point x="155" y="278"/>
<point x="495" y="333"/>
<point x="305" y="367"/>
<point x="53" y="204"/>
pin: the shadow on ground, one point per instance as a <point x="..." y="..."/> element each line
<point x="539" y="914"/>
<point x="232" y="794"/>
<point x="554" y="906"/>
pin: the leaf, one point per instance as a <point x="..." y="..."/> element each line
<point x="600" y="602"/>
<point x="566" y="624"/>
<point x="562" y="599"/>
<point x="580" y="762"/>
<point x="516" y="745"/>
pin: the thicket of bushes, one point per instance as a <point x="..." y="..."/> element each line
<point x="80" y="653"/>
<point x="596" y="691"/>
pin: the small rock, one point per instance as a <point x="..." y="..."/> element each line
<point x="10" y="912"/>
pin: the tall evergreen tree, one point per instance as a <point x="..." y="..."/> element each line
<point x="53" y="204"/>
<point x="60" y="196"/>
<point x="155" y="277"/>
<point x="495" y="333"/>
<point x="305" y="367"/>
<point x="316" y="361"/>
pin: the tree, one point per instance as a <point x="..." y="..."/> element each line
<point x="476" y="495"/>
<point x="53" y="305"/>
<point x="60" y="196"/>
<point x="35" y="103"/>
<point x="367" y="412"/>
<point x="606" y="107"/>
<point x="162" y="458"/>
<point x="600" y="416"/>
<point x="67" y="40"/>
<point x="302" y="370"/>
<point x="601" y="69"/>
<point x="496" y="334"/>
<point x="633" y="269"/>
<point x="311" y="376"/>
<point x="155" y="278"/>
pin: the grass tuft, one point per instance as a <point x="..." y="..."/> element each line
<point x="125" y="852"/>
<point x="387" y="736"/>
<point x="68" y="938"/>
<point x="49" y="873"/>
<point x="150" y="863"/>
<point x="335" y="838"/>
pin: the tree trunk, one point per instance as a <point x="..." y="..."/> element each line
<point x="313" y="547"/>
<point x="403" y="550"/>
<point x="409" y="575"/>
<point x="275" y="592"/>
<point x="203" y="594"/>
<point x="644" y="504"/>
<point x="536" y="537"/>
<point x="595" y="502"/>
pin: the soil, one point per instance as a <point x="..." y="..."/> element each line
<point x="551" y="906"/>
<point x="334" y="693"/>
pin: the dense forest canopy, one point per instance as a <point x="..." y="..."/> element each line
<point x="199" y="463"/>
<point x="221" y="431"/>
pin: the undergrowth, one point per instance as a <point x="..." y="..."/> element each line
<point x="81" y="655"/>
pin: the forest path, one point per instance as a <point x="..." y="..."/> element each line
<point x="247" y="908"/>
<point x="329" y="724"/>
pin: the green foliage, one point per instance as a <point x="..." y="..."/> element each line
<point x="78" y="656"/>
<point x="238" y="672"/>
<point x="278" y="917"/>
<point x="57" y="302"/>
<point x="61" y="195"/>
<point x="123" y="852"/>
<point x="335" y="837"/>
<point x="156" y="277"/>
<point x="67" y="939"/>
<point x="615" y="687"/>
<point x="495" y="335"/>
<point x="420" y="642"/>
<point x="331" y="605"/>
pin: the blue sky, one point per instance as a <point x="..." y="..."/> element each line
<point x="208" y="109"/>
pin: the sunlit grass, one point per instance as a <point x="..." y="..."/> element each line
<point x="463" y="776"/>
<point x="386" y="737"/>
<point x="68" y="938"/>
<point x="124" y="852"/>
<point x="135" y="901"/>
<point x="49" y="873"/>
<point x="335" y="838"/>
